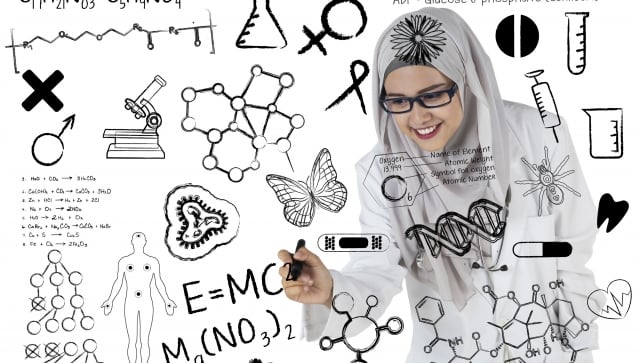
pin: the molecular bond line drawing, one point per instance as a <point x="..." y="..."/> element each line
<point x="536" y="320"/>
<point x="71" y="350"/>
<point x="243" y="124"/>
<point x="56" y="274"/>
<point x="533" y="325"/>
<point x="136" y="28"/>
<point x="430" y="311"/>
<point x="365" y="340"/>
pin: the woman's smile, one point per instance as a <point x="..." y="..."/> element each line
<point x="428" y="132"/>
<point x="429" y="127"/>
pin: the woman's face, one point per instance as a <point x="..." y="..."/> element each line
<point x="430" y="128"/>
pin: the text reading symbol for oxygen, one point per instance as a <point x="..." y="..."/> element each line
<point x="576" y="41"/>
<point x="261" y="29"/>
<point x="617" y="299"/>
<point x="517" y="36"/>
<point x="605" y="132"/>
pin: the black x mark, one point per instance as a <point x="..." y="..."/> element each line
<point x="42" y="90"/>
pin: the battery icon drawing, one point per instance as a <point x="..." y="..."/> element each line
<point x="605" y="132"/>
<point x="545" y="102"/>
<point x="542" y="249"/>
<point x="352" y="242"/>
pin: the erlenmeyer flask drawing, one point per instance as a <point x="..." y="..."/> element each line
<point x="261" y="29"/>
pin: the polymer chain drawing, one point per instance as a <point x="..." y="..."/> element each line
<point x="532" y="327"/>
<point x="62" y="310"/>
<point x="29" y="44"/>
<point x="243" y="124"/>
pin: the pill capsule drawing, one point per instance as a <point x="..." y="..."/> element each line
<point x="537" y="249"/>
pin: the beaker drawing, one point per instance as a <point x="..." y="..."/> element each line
<point x="261" y="29"/>
<point x="576" y="41"/>
<point x="605" y="132"/>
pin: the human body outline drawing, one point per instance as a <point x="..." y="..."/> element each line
<point x="138" y="270"/>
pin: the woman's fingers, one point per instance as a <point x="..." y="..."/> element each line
<point x="308" y="257"/>
<point x="284" y="256"/>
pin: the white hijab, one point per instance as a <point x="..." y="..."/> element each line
<point x="439" y="38"/>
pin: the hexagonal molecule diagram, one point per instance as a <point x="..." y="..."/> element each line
<point x="429" y="311"/>
<point x="538" y="321"/>
<point x="250" y="121"/>
<point x="533" y="325"/>
<point x="361" y="333"/>
<point x="401" y="180"/>
<point x="60" y="307"/>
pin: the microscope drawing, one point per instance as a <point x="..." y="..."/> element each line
<point x="139" y="143"/>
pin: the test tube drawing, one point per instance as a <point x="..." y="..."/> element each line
<point x="605" y="132"/>
<point x="545" y="102"/>
<point x="576" y="41"/>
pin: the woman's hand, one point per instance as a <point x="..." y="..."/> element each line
<point x="313" y="286"/>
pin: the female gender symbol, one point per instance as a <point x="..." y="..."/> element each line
<point x="315" y="39"/>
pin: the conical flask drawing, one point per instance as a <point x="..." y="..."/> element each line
<point x="261" y="29"/>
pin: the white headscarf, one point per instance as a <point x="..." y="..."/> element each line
<point x="440" y="38"/>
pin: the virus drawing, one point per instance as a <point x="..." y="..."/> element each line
<point x="418" y="39"/>
<point x="198" y="222"/>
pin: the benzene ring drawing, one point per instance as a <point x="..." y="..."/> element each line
<point x="548" y="182"/>
<point x="361" y="333"/>
<point x="198" y="222"/>
<point x="244" y="123"/>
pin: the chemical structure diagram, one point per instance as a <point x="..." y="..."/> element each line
<point x="99" y="36"/>
<point x="62" y="293"/>
<point x="243" y="124"/>
<point x="57" y="278"/>
<point x="53" y="354"/>
<point x="533" y="325"/>
<point x="366" y="340"/>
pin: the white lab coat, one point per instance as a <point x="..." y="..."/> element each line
<point x="381" y="274"/>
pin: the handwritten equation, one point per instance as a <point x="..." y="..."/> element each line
<point x="91" y="4"/>
<point x="57" y="210"/>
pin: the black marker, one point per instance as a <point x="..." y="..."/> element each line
<point x="296" y="266"/>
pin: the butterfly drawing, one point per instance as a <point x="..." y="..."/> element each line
<point x="321" y="189"/>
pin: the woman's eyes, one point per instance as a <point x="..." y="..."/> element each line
<point x="398" y="101"/>
<point x="431" y="95"/>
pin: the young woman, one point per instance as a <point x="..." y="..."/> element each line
<point x="491" y="176"/>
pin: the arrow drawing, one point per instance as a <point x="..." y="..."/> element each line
<point x="47" y="148"/>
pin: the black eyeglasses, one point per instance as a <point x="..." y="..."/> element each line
<point x="426" y="100"/>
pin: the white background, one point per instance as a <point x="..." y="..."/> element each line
<point x="98" y="76"/>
